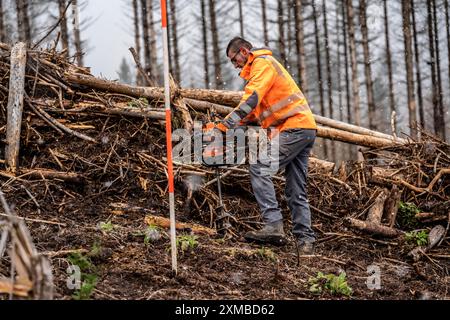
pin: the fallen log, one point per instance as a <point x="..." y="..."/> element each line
<point x="365" y="137"/>
<point x="50" y="174"/>
<point x="353" y="138"/>
<point x="111" y="86"/>
<point x="165" y="223"/>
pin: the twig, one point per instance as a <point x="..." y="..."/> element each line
<point x="35" y="220"/>
<point x="63" y="16"/>
<point x="140" y="69"/>
<point x="32" y="198"/>
<point x="59" y="125"/>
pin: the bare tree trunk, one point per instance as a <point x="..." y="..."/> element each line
<point x="435" y="100"/>
<point x="23" y="21"/>
<point x="339" y="65"/>
<point x="2" y="24"/>
<point x="389" y="60"/>
<point x="205" y="44"/>
<point x="346" y="58"/>
<point x="264" y="21"/>
<point x="329" y="80"/>
<point x="319" y="70"/>
<point x="63" y="25"/>
<point x="215" y="43"/>
<point x="301" y="63"/>
<point x="241" y="18"/>
<point x="137" y="38"/>
<point x="418" y="69"/>
<point x="440" y="107"/>
<point x="367" y="64"/>
<point x="146" y="37"/>
<point x="447" y="28"/>
<point x="176" y="55"/>
<point x="77" y="36"/>
<point x="281" y="37"/>
<point x="351" y="149"/>
<point x="406" y="13"/>
<point x="290" y="38"/>
<point x="354" y="62"/>
<point x="153" y="56"/>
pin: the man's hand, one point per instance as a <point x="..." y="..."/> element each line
<point x="213" y="153"/>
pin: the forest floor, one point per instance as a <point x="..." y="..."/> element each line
<point x="127" y="265"/>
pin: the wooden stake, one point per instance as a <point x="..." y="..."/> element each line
<point x="15" y="105"/>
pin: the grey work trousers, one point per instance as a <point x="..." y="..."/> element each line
<point x="294" y="148"/>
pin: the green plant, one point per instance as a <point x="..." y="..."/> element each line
<point x="80" y="260"/>
<point x="185" y="242"/>
<point x="152" y="234"/>
<point x="417" y="237"/>
<point x="407" y="215"/>
<point x="107" y="226"/>
<point x="88" y="276"/>
<point x="267" y="253"/>
<point x="336" y="285"/>
<point x="89" y="281"/>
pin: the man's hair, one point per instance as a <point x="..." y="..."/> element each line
<point x="236" y="43"/>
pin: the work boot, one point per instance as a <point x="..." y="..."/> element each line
<point x="305" y="248"/>
<point x="272" y="233"/>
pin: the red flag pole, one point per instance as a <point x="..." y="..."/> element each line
<point x="169" y="136"/>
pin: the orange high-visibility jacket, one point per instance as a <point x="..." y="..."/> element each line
<point x="271" y="98"/>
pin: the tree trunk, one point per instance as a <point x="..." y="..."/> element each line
<point x="339" y="65"/>
<point x="154" y="74"/>
<point x="2" y="24"/>
<point x="23" y="21"/>
<point x="241" y="18"/>
<point x="15" y="105"/>
<point x="281" y="37"/>
<point x="175" y="51"/>
<point x="319" y="70"/>
<point x="264" y="21"/>
<point x="435" y="100"/>
<point x="77" y="36"/>
<point x="353" y="138"/>
<point x="137" y="42"/>
<point x="300" y="44"/>
<point x="353" y="62"/>
<point x="406" y="13"/>
<point x="63" y="26"/>
<point x="351" y="150"/>
<point x="146" y="37"/>
<point x="367" y="64"/>
<point x="440" y="106"/>
<point x="205" y="44"/>
<point x="418" y="69"/>
<point x="329" y="80"/>
<point x="215" y="44"/>
<point x="447" y="28"/>
<point x="389" y="60"/>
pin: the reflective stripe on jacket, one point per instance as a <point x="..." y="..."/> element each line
<point x="271" y="98"/>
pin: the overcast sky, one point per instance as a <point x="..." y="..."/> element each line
<point x="109" y="36"/>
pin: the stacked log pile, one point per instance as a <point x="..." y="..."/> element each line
<point x="82" y="143"/>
